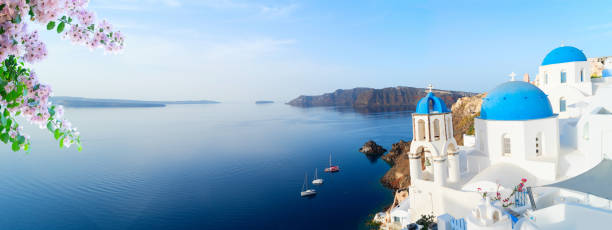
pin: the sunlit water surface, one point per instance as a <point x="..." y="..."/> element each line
<point x="222" y="166"/>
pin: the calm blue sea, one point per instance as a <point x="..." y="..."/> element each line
<point x="222" y="166"/>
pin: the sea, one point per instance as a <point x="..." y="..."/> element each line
<point x="211" y="166"/>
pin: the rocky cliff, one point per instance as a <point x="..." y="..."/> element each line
<point x="464" y="111"/>
<point x="372" y="149"/>
<point x="400" y="96"/>
<point x="399" y="175"/>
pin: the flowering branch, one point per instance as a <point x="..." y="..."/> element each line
<point x="505" y="201"/>
<point x="21" y="94"/>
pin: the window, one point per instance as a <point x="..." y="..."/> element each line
<point x="538" y="144"/>
<point x="421" y="130"/>
<point x="396" y="219"/>
<point x="562" y="105"/>
<point x="436" y="129"/>
<point x="585" y="131"/>
<point x="581" y="75"/>
<point x="545" y="78"/>
<point x="563" y="77"/>
<point x="506" y="147"/>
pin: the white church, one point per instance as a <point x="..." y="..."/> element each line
<point x="539" y="159"/>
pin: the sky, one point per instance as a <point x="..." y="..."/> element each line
<point x="247" y="50"/>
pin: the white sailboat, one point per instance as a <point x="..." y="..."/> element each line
<point x="305" y="191"/>
<point x="317" y="181"/>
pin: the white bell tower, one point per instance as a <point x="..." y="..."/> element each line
<point x="433" y="152"/>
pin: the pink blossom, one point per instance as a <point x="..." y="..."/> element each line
<point x="12" y="133"/>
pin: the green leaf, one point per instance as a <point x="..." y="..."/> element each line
<point x="80" y="148"/>
<point x="2" y="6"/>
<point x="60" y="27"/>
<point x="17" y="19"/>
<point x="4" y="137"/>
<point x="3" y="120"/>
<point x="20" y="139"/>
<point x="57" y="134"/>
<point x="61" y="143"/>
<point x="16" y="146"/>
<point x="50" y="25"/>
<point x="50" y="126"/>
<point x="26" y="147"/>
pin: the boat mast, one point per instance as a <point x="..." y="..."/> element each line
<point x="304" y="185"/>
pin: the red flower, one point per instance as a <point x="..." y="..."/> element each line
<point x="524" y="180"/>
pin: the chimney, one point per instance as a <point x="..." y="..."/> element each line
<point x="526" y="78"/>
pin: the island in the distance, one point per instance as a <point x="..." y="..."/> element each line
<point x="400" y="97"/>
<point x="264" y="102"/>
<point x="81" y="102"/>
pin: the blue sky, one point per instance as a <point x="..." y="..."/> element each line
<point x="239" y="51"/>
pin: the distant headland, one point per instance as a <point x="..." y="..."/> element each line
<point x="81" y="102"/>
<point x="400" y="96"/>
<point x="264" y="102"/>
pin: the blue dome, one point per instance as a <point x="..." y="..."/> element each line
<point x="515" y="101"/>
<point x="606" y="73"/>
<point x="437" y="105"/>
<point x="564" y="54"/>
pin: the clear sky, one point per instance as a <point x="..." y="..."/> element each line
<point x="246" y="50"/>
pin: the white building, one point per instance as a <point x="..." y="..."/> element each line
<point x="556" y="134"/>
<point x="565" y="76"/>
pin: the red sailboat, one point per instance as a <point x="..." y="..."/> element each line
<point x="332" y="168"/>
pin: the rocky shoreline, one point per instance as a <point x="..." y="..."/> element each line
<point x="372" y="149"/>
<point x="398" y="176"/>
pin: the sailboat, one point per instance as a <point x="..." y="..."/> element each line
<point x="305" y="191"/>
<point x="332" y="168"/>
<point x="317" y="181"/>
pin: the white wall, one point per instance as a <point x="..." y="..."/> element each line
<point x="573" y="90"/>
<point x="427" y="198"/>
<point x="469" y="140"/>
<point x="595" y="140"/>
<point x="571" y="94"/>
<point x="523" y="143"/>
<point x="573" y="76"/>
<point x="572" y="216"/>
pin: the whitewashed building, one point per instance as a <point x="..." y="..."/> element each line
<point x="554" y="133"/>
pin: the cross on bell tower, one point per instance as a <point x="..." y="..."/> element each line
<point x="430" y="88"/>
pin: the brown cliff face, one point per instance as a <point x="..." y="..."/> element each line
<point x="399" y="175"/>
<point x="464" y="111"/>
<point x="405" y="97"/>
<point x="397" y="149"/>
<point x="372" y="149"/>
